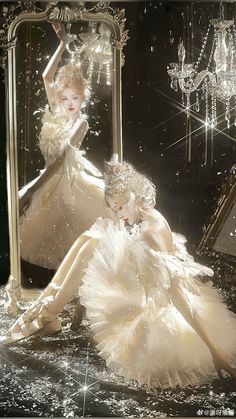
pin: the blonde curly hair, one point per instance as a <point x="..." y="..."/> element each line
<point x="121" y="179"/>
<point x="70" y="76"/>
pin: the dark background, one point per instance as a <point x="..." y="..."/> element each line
<point x="153" y="121"/>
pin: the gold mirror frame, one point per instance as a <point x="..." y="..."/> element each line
<point x="51" y="11"/>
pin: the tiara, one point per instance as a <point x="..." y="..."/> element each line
<point x="121" y="179"/>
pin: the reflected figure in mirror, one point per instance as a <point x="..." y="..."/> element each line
<point x="68" y="196"/>
<point x="152" y="318"/>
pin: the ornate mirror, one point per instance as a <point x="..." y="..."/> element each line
<point x="92" y="54"/>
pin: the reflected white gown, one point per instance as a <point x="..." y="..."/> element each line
<point x="67" y="204"/>
<point x="138" y="330"/>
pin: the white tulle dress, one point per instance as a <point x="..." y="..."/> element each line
<point x="128" y="291"/>
<point x="67" y="204"/>
<point x="138" y="330"/>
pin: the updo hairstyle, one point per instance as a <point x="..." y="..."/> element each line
<point x="70" y="76"/>
<point x="121" y="179"/>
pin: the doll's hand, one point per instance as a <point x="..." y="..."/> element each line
<point x="25" y="202"/>
<point x="64" y="37"/>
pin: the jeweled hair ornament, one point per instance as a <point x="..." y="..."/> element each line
<point x="121" y="179"/>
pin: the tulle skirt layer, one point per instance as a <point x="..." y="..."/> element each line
<point x="128" y="292"/>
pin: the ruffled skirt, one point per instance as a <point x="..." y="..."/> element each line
<point x="137" y="328"/>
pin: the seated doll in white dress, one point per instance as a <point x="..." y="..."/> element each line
<point x="68" y="196"/>
<point x="152" y="318"/>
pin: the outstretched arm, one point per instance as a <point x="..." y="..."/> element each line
<point x="50" y="70"/>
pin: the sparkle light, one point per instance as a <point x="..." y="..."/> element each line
<point x="195" y="115"/>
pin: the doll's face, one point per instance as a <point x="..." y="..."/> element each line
<point x="70" y="101"/>
<point x="127" y="211"/>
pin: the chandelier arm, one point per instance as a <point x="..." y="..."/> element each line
<point x="196" y="82"/>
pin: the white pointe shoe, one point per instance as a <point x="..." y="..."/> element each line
<point x="36" y="328"/>
<point x="12" y="337"/>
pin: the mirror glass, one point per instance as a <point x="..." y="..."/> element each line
<point x="69" y="199"/>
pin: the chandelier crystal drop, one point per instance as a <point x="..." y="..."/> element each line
<point x="213" y="76"/>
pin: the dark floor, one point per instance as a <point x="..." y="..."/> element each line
<point x="46" y="376"/>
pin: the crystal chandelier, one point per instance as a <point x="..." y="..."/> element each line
<point x="214" y="80"/>
<point x="93" y="50"/>
<point x="85" y="53"/>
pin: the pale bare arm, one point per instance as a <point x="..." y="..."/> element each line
<point x="50" y="70"/>
<point x="49" y="73"/>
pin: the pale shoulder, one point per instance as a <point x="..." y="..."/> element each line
<point x="157" y="233"/>
<point x="155" y="219"/>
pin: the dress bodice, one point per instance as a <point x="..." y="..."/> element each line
<point x="54" y="136"/>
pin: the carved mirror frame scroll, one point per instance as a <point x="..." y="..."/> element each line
<point x="14" y="14"/>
